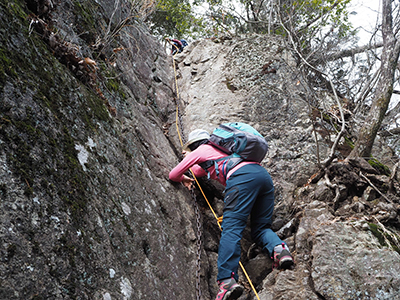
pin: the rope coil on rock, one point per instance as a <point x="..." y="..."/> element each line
<point x="178" y="122"/>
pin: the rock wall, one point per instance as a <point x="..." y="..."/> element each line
<point x="87" y="211"/>
<point x="329" y="218"/>
<point x="88" y="136"/>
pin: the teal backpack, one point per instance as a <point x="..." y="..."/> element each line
<point x="240" y="141"/>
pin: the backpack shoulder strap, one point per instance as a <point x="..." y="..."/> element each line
<point x="230" y="162"/>
<point x="208" y="164"/>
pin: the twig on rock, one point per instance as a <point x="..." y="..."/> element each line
<point x="388" y="232"/>
<point x="375" y="188"/>
<point x="393" y="176"/>
<point x="333" y="186"/>
<point x="394" y="170"/>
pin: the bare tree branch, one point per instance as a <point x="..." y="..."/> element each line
<point x="340" y="134"/>
<point x="390" y="132"/>
<point x="352" y="52"/>
<point x="384" y="90"/>
<point x="375" y="188"/>
<point x="366" y="90"/>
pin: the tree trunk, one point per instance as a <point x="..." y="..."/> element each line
<point x="384" y="90"/>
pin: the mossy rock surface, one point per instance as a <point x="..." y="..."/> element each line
<point x="82" y="183"/>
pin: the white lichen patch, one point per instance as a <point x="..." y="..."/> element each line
<point x="36" y="200"/>
<point x="57" y="219"/>
<point x="147" y="208"/>
<point x="106" y="296"/>
<point x="126" y="288"/>
<point x="99" y="221"/>
<point x="83" y="155"/>
<point x="30" y="268"/>
<point x="90" y="143"/>
<point x="112" y="273"/>
<point x="149" y="173"/>
<point x="126" y="208"/>
<point x="35" y="218"/>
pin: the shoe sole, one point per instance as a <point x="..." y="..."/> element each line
<point x="286" y="262"/>
<point x="234" y="293"/>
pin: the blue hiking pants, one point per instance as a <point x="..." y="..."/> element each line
<point x="249" y="191"/>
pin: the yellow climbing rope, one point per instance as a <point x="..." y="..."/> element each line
<point x="219" y="219"/>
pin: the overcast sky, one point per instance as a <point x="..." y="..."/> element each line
<point x="363" y="15"/>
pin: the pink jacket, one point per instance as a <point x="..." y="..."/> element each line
<point x="201" y="154"/>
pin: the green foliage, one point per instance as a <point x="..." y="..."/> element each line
<point x="175" y="18"/>
<point x="306" y="18"/>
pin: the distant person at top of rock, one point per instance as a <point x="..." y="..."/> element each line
<point x="177" y="45"/>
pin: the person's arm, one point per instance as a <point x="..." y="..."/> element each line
<point x="198" y="171"/>
<point x="190" y="161"/>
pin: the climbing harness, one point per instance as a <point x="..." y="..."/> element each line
<point x="178" y="122"/>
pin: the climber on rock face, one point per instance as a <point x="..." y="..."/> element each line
<point x="249" y="191"/>
<point x="177" y="45"/>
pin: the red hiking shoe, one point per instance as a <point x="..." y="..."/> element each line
<point x="283" y="259"/>
<point x="229" y="289"/>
